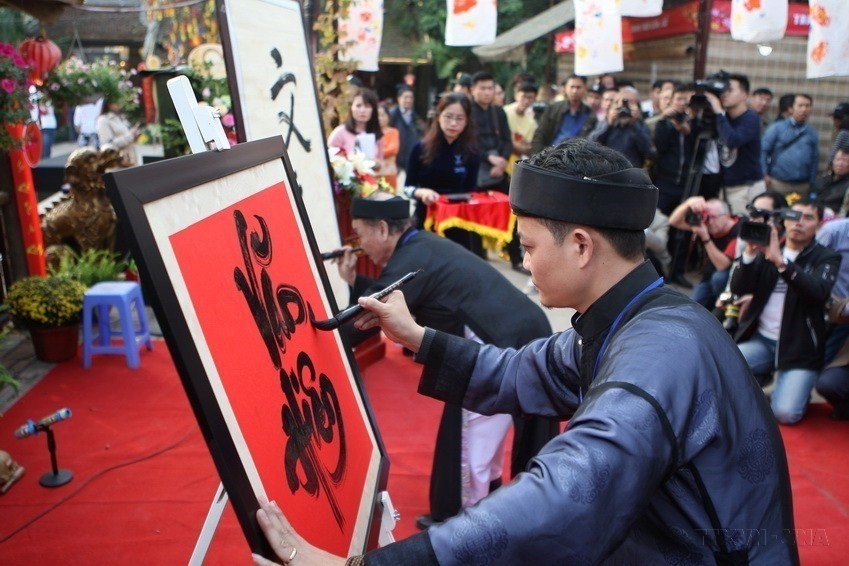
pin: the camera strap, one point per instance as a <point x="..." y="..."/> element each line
<point x="778" y="151"/>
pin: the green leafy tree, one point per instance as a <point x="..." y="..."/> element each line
<point x="16" y="26"/>
<point x="424" y="21"/>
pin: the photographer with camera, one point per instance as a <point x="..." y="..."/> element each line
<point x="624" y="129"/>
<point x="673" y="143"/>
<point x="783" y="329"/>
<point x="716" y="228"/>
<point x="739" y="136"/>
<point x="763" y="208"/>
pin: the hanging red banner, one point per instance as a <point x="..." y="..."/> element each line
<point x="148" y="101"/>
<point x="27" y="205"/>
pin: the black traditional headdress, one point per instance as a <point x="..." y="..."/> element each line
<point x="395" y="208"/>
<point x="624" y="200"/>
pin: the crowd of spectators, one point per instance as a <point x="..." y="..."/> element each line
<point x="723" y="161"/>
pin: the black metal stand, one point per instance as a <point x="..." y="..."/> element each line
<point x="57" y="477"/>
<point x="691" y="188"/>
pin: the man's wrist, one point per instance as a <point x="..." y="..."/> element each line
<point x="706" y="241"/>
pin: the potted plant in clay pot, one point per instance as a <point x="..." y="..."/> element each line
<point x="50" y="308"/>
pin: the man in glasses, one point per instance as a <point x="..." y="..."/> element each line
<point x="715" y="229"/>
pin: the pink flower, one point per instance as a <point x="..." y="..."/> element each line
<point x="19" y="61"/>
<point x="8" y="85"/>
<point x="228" y="121"/>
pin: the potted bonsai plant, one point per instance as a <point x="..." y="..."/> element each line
<point x="50" y="308"/>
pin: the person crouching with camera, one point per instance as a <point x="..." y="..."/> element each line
<point x="716" y="230"/>
<point x="624" y="130"/>
<point x="783" y="330"/>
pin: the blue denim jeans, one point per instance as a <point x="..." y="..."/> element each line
<point x="792" y="386"/>
<point x="706" y="292"/>
<point x="833" y="384"/>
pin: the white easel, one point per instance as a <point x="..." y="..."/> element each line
<point x="203" y="129"/>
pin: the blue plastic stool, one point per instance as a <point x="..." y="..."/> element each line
<point x="122" y="295"/>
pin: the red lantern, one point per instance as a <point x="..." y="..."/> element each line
<point x="42" y="55"/>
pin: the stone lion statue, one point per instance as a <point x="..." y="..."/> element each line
<point x="86" y="218"/>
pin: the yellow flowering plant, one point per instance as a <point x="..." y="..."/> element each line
<point x="45" y="301"/>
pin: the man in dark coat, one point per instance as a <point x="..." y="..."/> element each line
<point x="456" y="292"/>
<point x="568" y="118"/>
<point x="784" y="327"/>
<point x="403" y="118"/>
<point x="671" y="454"/>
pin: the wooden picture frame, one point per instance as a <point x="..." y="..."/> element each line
<point x="230" y="264"/>
<point x="273" y="90"/>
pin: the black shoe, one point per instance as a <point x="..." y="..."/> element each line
<point x="763" y="379"/>
<point x="838" y="415"/>
<point x="424" y="522"/>
<point x="521" y="269"/>
<point x="679" y="280"/>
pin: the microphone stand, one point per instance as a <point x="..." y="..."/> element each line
<point x="57" y="477"/>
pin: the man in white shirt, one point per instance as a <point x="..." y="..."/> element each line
<point x="784" y="327"/>
<point x="85" y="123"/>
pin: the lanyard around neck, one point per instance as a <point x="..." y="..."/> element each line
<point x="615" y="325"/>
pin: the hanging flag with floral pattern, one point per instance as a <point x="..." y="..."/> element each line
<point x="758" y="21"/>
<point x="828" y="39"/>
<point x="598" y="37"/>
<point x="471" y="22"/>
<point x="640" y="8"/>
<point x="361" y="33"/>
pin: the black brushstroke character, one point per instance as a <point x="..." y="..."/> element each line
<point x="276" y="311"/>
<point x="287" y="118"/>
<point x="309" y="425"/>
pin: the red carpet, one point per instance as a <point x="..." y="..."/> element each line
<point x="143" y="479"/>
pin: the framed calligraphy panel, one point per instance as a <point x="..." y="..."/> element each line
<point x="228" y="257"/>
<point x="272" y="83"/>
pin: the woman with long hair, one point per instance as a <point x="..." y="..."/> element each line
<point x="361" y="131"/>
<point x="445" y="161"/>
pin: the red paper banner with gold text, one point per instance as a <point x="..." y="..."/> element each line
<point x="27" y="206"/>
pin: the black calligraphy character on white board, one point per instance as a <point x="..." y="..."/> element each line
<point x="283" y="116"/>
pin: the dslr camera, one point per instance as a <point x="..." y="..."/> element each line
<point x="729" y="312"/>
<point x="623" y="112"/>
<point x="694" y="218"/>
<point x="759" y="232"/>
<point x="716" y="83"/>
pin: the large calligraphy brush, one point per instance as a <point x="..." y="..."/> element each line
<point x="350" y="313"/>
<point x="338" y="253"/>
